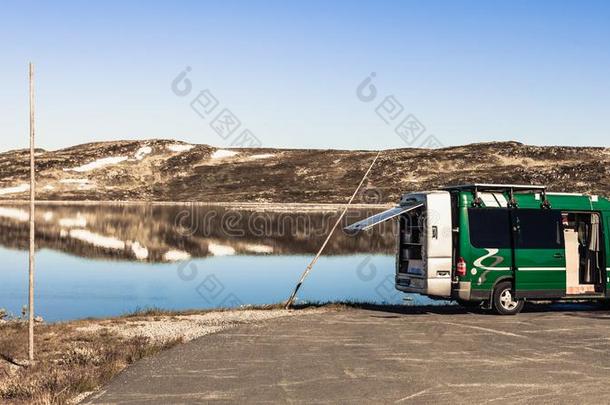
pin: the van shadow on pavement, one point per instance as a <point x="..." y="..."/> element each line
<point x="581" y="307"/>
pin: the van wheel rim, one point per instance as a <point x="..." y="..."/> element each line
<point x="506" y="300"/>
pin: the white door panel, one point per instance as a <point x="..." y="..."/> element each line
<point x="439" y="241"/>
<point x="438" y="225"/>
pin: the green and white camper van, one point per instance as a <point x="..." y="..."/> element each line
<point x="501" y="245"/>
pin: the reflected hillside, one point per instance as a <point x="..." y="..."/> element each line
<point x="165" y="233"/>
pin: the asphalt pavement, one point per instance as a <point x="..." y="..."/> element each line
<point x="547" y="354"/>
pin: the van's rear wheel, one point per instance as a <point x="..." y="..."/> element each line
<point x="503" y="301"/>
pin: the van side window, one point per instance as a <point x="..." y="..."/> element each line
<point x="539" y="229"/>
<point x="489" y="228"/>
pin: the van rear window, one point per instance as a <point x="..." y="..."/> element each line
<point x="538" y="229"/>
<point x="489" y="228"/>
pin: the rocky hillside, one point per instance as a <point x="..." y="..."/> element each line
<point x="165" y="170"/>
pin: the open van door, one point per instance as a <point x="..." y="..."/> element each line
<point x="539" y="253"/>
<point x="425" y="242"/>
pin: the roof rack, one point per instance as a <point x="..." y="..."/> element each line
<point x="495" y="187"/>
<point x="477" y="188"/>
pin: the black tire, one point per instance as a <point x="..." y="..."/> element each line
<point x="503" y="303"/>
<point x="469" y="304"/>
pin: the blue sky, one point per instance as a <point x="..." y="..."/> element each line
<point x="469" y="71"/>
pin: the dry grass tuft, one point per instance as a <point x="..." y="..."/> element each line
<point x="69" y="361"/>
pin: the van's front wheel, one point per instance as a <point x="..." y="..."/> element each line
<point x="503" y="301"/>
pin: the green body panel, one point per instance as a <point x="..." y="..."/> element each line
<point x="486" y="267"/>
<point x="492" y="265"/>
<point x="539" y="280"/>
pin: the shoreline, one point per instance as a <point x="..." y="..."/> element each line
<point x="274" y="206"/>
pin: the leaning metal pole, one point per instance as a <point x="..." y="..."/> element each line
<point x="32" y="229"/>
<point x="315" y="259"/>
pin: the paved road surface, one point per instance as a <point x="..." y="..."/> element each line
<point x="425" y="355"/>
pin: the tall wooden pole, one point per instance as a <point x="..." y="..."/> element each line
<point x="32" y="228"/>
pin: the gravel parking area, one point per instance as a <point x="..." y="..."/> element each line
<point x="188" y="327"/>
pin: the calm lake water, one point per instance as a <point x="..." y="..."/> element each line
<point x="104" y="260"/>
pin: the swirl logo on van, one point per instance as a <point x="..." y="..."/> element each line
<point x="491" y="253"/>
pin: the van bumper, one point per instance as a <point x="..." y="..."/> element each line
<point x="463" y="291"/>
<point x="408" y="284"/>
<point x="433" y="287"/>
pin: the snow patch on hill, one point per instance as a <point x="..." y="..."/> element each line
<point x="262" y="156"/>
<point x="177" y="147"/>
<point x="142" y="152"/>
<point x="98" y="164"/>
<point x="83" y="184"/>
<point x="222" y="153"/>
<point x="14" y="190"/>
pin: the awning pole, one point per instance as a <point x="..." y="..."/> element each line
<point x="32" y="229"/>
<point x="315" y="259"/>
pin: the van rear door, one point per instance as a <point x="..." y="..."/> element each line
<point x="439" y="244"/>
<point x="424" y="261"/>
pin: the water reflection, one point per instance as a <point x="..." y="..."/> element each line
<point x="162" y="233"/>
<point x="181" y="257"/>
